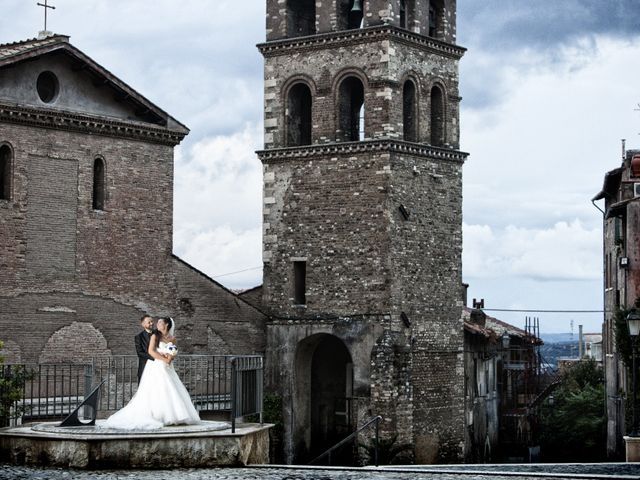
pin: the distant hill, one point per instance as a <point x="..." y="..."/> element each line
<point x="559" y="337"/>
<point x="551" y="352"/>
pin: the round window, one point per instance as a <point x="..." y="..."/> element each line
<point x="47" y="87"/>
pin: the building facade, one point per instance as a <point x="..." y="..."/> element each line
<point x="86" y="217"/>
<point x="362" y="222"/>
<point x="621" y="262"/>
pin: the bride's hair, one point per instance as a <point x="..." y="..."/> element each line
<point x="168" y="321"/>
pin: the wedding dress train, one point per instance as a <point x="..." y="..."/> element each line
<point x="161" y="400"/>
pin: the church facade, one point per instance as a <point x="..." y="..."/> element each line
<point x="86" y="217"/>
<point x="362" y="217"/>
<point x="363" y="222"/>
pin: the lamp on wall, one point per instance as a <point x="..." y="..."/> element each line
<point x="505" y="338"/>
<point x="633" y="322"/>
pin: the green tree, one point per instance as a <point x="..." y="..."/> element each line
<point x="12" y="381"/>
<point x="573" y="427"/>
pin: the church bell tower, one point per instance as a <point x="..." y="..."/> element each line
<point x="362" y="210"/>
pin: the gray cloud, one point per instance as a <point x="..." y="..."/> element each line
<point x="513" y="24"/>
<point x="532" y="34"/>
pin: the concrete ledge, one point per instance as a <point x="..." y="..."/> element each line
<point x="632" y="447"/>
<point x="203" y="445"/>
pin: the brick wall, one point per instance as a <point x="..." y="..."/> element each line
<point x="122" y="252"/>
<point x="65" y="265"/>
<point x="212" y="319"/>
<point x="335" y="206"/>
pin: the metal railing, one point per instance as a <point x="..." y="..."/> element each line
<point x="246" y="387"/>
<point x="216" y="383"/>
<point x="374" y="420"/>
<point x="49" y="390"/>
<point x="206" y="377"/>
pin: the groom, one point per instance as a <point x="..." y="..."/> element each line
<point x="142" y="343"/>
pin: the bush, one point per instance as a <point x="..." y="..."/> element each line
<point x="389" y="451"/>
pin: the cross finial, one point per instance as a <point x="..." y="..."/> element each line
<point x="46" y="7"/>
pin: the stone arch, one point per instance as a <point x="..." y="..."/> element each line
<point x="324" y="381"/>
<point x="298" y="95"/>
<point x="301" y="18"/>
<point x="350" y="106"/>
<point x="6" y="170"/>
<point x="11" y="352"/>
<point x="99" y="183"/>
<point x="75" y="343"/>
<point x="437" y="115"/>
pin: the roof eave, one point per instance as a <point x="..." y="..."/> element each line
<point x="128" y="92"/>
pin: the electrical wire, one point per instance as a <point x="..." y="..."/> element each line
<point x="239" y="271"/>
<point x="539" y="310"/>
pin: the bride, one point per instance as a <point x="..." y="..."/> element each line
<point x="161" y="398"/>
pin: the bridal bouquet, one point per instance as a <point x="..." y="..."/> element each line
<point x="170" y="349"/>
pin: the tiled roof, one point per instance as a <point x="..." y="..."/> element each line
<point x="493" y="327"/>
<point x="8" y="50"/>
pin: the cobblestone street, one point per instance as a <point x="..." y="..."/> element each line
<point x="457" y="472"/>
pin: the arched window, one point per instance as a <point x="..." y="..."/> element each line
<point x="5" y="172"/>
<point x="409" y="107"/>
<point x="407" y="14"/>
<point x="351" y="110"/>
<point x="299" y="115"/>
<point x="437" y="117"/>
<point x="350" y="14"/>
<point x="436" y="17"/>
<point x="301" y="17"/>
<point x="98" y="184"/>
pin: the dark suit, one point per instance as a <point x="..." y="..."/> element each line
<point x="142" y="349"/>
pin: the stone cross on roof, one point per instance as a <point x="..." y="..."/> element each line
<point x="46" y="7"/>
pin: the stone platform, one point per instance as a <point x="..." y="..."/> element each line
<point x="208" y="444"/>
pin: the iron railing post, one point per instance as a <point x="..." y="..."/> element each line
<point x="234" y="393"/>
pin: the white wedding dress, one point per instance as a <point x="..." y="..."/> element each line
<point x="161" y="400"/>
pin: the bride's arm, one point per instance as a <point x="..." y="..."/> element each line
<point x="153" y="344"/>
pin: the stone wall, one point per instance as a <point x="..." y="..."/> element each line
<point x="332" y="15"/>
<point x="123" y="252"/>
<point x="426" y="258"/>
<point x="382" y="64"/>
<point x="72" y="275"/>
<point x="214" y="320"/>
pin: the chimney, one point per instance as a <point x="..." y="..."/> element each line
<point x="580" y="342"/>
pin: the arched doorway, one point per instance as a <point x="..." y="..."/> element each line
<point x="324" y="387"/>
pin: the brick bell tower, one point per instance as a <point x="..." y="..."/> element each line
<point x="363" y="222"/>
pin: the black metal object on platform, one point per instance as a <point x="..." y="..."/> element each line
<point x="90" y="401"/>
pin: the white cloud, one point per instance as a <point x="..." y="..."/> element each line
<point x="234" y="258"/>
<point x="565" y="251"/>
<point x="542" y="153"/>
<point x="218" y="206"/>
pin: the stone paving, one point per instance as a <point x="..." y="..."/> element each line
<point x="600" y="471"/>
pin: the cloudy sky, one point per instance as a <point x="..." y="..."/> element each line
<point x="549" y="89"/>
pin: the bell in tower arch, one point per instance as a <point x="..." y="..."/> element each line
<point x="356" y="14"/>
